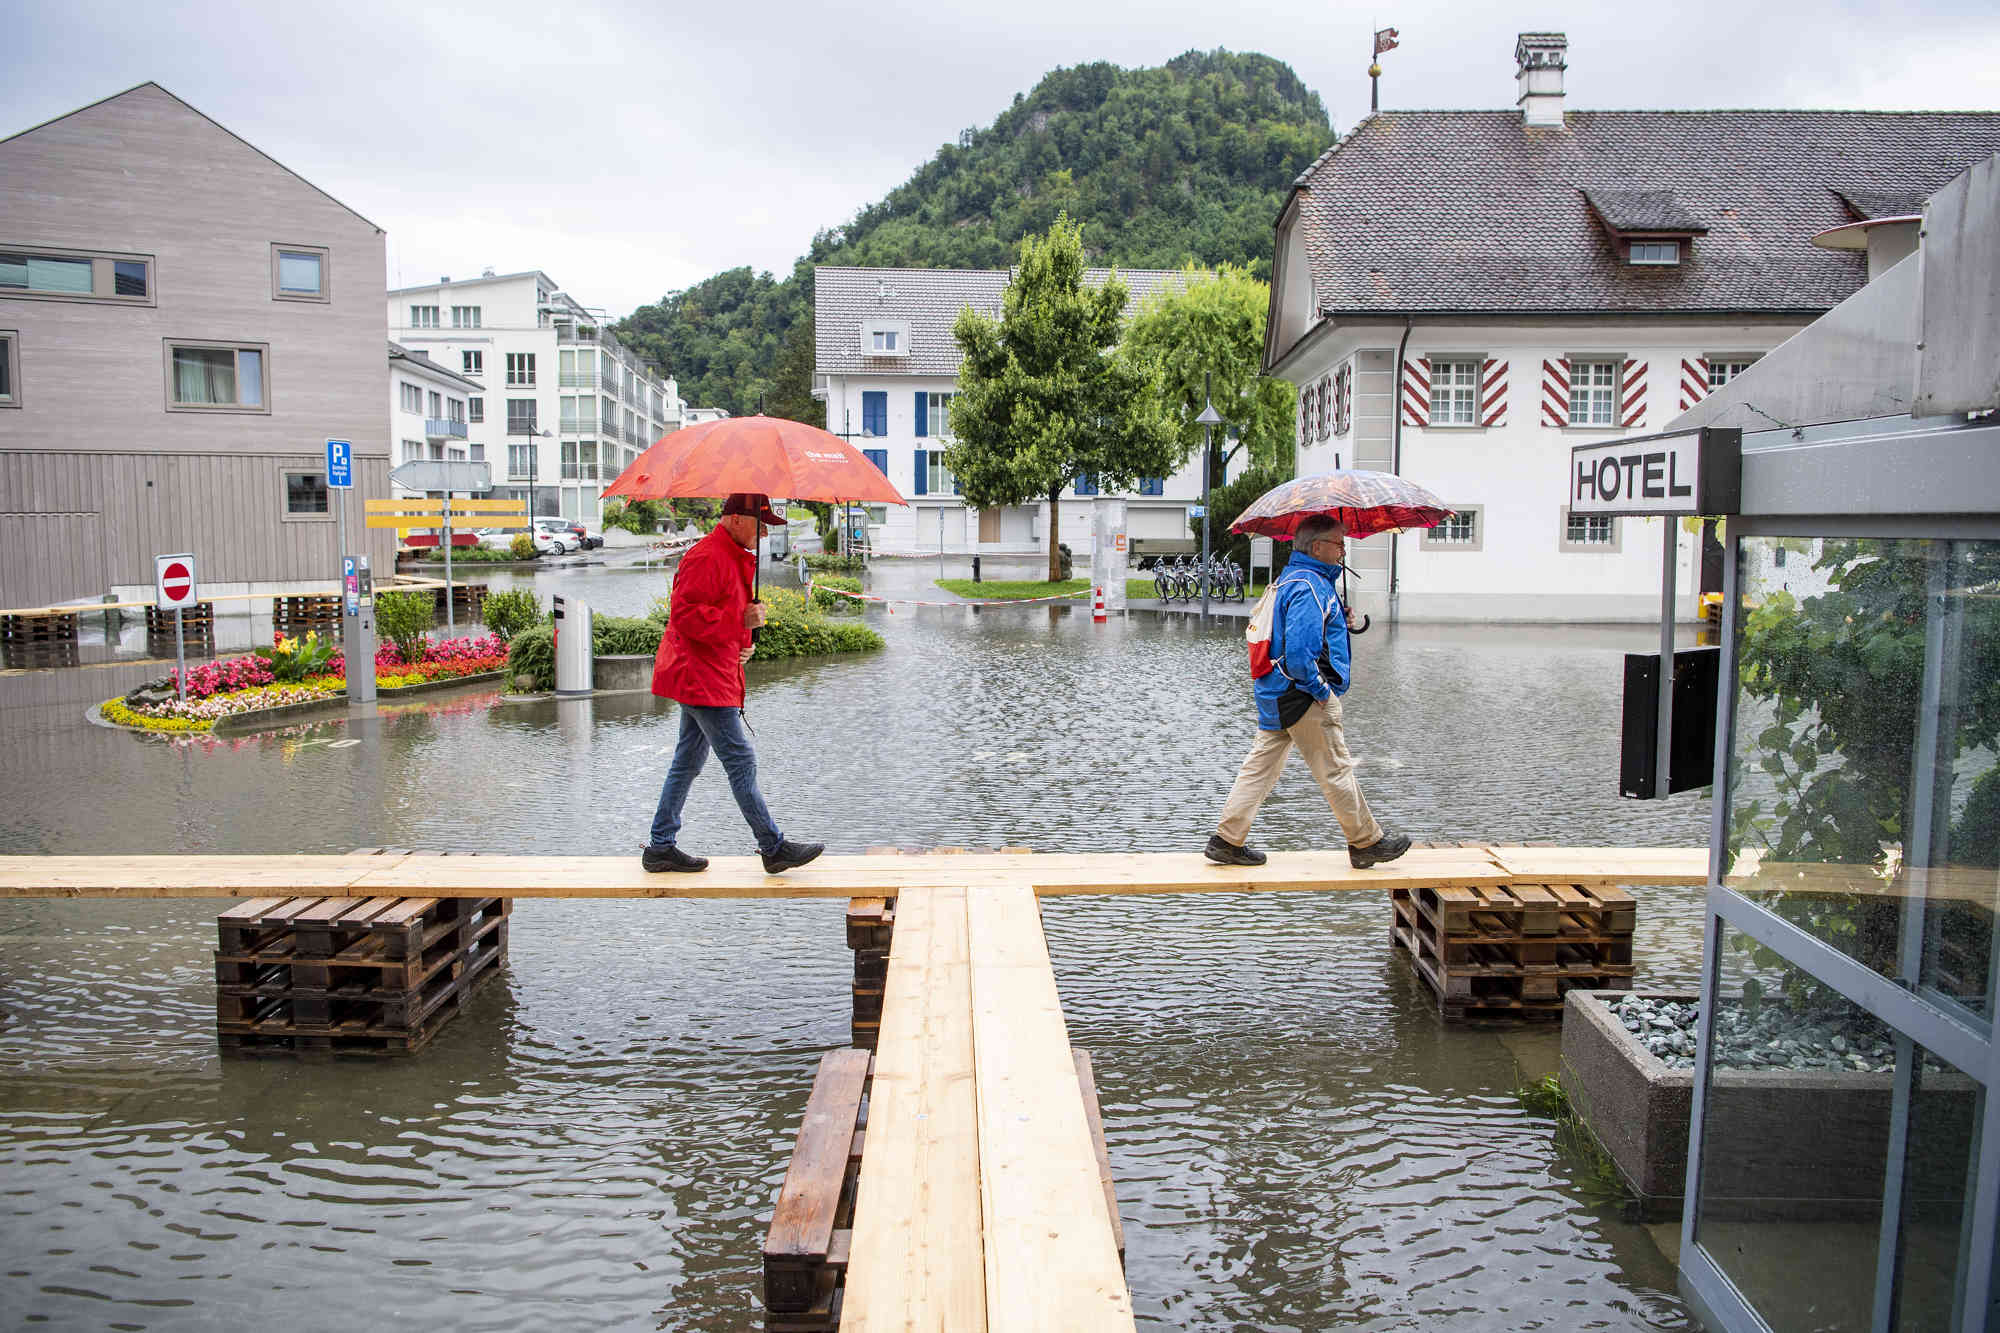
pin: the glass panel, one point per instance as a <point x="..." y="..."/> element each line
<point x="305" y="493"/>
<point x="299" y="273"/>
<point x="1795" y="1136"/>
<point x="204" y="376"/>
<point x="1831" y="652"/>
<point x="46" y="274"/>
<point x="250" y="377"/>
<point x="1946" y="1112"/>
<point x="6" y="369"/>
<point x="128" y="277"/>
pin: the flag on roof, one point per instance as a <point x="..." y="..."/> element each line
<point x="1385" y="40"/>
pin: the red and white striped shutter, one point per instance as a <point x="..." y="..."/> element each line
<point x="1694" y="381"/>
<point x="1417" y="392"/>
<point x="1325" y="416"/>
<point x="1493" y="393"/>
<point x="1305" y="415"/>
<point x="1555" y="392"/>
<point x="1632" y="394"/>
<point x="1343" y="400"/>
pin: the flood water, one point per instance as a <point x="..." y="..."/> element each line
<point x="1298" y="1143"/>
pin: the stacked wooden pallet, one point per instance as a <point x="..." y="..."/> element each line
<point x="468" y="600"/>
<point x="351" y="976"/>
<point x="870" y="924"/>
<point x="296" y="615"/>
<point x="197" y="629"/>
<point x="38" y="639"/>
<point x="1514" y="951"/>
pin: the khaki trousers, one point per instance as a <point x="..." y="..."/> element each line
<point x="1321" y="745"/>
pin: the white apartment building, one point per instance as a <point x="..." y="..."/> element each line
<point x="562" y="405"/>
<point x="427" y="410"/>
<point x="886" y="366"/>
<point x="1462" y="296"/>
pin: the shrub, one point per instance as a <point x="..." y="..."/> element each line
<point x="793" y="630"/>
<point x="637" y="516"/>
<point x="826" y="560"/>
<point x="533" y="653"/>
<point x="510" y="611"/>
<point x="293" y="660"/>
<point x="405" y="619"/>
<point x="616" y="635"/>
<point x="824" y="599"/>
<point x="522" y="547"/>
<point x="657" y="612"/>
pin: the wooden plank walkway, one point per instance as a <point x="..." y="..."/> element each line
<point x="426" y="874"/>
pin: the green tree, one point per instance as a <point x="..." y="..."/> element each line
<point x="1044" y="398"/>
<point x="1211" y="332"/>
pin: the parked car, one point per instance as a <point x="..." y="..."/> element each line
<point x="502" y="539"/>
<point x="572" y="533"/>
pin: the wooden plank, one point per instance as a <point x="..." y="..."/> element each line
<point x="1086" y="1077"/>
<point x="1051" y="1262"/>
<point x="801" y="1231"/>
<point x="917" y="1253"/>
<point x="1604" y="865"/>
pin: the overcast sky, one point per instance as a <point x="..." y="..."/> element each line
<point x="629" y="149"/>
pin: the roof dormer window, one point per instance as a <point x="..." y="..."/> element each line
<point x="1656" y="252"/>
<point x="883" y="340"/>
<point x="885" y="337"/>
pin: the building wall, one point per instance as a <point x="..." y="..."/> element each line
<point x="1514" y="473"/>
<point x="142" y="173"/>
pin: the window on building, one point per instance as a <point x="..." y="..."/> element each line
<point x="569" y="460"/>
<point x="573" y="409"/>
<point x="882" y="340"/>
<point x="1721" y="369"/>
<point x="423" y="316"/>
<point x="216" y="377"/>
<point x="475" y="409"/>
<point x="465" y="316"/>
<point x="436" y="412"/>
<point x="298" y="273"/>
<point x="1086" y="484"/>
<point x="937" y="414"/>
<point x="76" y="275"/>
<point x="520" y="368"/>
<point x="1152" y="485"/>
<point x="473" y="363"/>
<point x="520" y="462"/>
<point x="1455" y="390"/>
<point x="521" y="416"/>
<point x="412" y="399"/>
<point x="1656" y="252"/>
<point x="10" y="372"/>
<point x="586" y="459"/>
<point x="1589" y="532"/>
<point x="1593" y="392"/>
<point x="478" y="452"/>
<point x="413" y="450"/>
<point x="875" y="412"/>
<point x="577" y="368"/>
<point x="305" y="493"/>
<point x="1460" y="532"/>
<point x="937" y="477"/>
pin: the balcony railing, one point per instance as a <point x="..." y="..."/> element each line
<point x="576" y="379"/>
<point x="584" y="426"/>
<point x="439" y="428"/>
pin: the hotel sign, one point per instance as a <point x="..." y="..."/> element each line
<point x="1685" y="472"/>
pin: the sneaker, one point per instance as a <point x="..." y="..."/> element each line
<point x="1226" y="853"/>
<point x="1386" y="848"/>
<point x="671" y="857"/>
<point x="789" y="855"/>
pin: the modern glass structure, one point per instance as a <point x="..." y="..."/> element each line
<point x="1844" y="1166"/>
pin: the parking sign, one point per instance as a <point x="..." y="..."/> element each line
<point x="340" y="464"/>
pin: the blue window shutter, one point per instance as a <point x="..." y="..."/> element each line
<point x="875" y="411"/>
<point x="880" y="458"/>
<point x="956" y="490"/>
<point x="923" y="414"/>
<point x="923" y="477"/>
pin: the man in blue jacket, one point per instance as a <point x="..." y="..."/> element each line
<point x="1298" y="703"/>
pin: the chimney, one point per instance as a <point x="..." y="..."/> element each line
<point x="1539" y="64"/>
<point x="444" y="280"/>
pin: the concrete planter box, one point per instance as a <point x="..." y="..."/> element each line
<point x="623" y="672"/>
<point x="285" y="715"/>
<point x="434" y="686"/>
<point x="1784" y="1144"/>
<point x="1635" y="1105"/>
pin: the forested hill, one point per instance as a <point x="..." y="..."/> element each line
<point x="1186" y="162"/>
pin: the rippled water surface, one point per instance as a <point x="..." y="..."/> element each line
<point x="595" y="1143"/>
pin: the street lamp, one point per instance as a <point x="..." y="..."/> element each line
<point x="527" y="430"/>
<point x="1209" y="420"/>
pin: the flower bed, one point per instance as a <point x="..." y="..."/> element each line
<point x="216" y="690"/>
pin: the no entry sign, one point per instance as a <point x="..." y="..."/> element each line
<point x="173" y="581"/>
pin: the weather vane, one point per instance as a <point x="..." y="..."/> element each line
<point x="1385" y="40"/>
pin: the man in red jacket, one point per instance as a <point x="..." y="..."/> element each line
<point x="703" y="651"/>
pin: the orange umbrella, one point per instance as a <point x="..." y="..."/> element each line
<point x="769" y="455"/>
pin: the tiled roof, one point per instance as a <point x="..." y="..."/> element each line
<point x="928" y="300"/>
<point x="1643" y="210"/>
<point x="1868" y="204"/>
<point x="1419" y="211"/>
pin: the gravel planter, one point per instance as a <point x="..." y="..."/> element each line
<point x="1773" y="1036"/>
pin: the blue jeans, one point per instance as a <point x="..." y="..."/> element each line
<point x="721" y="730"/>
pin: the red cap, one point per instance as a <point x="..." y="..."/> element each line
<point x="750" y="502"/>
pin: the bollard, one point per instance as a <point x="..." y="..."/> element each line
<point x="1097" y="604"/>
<point x="975" y="569"/>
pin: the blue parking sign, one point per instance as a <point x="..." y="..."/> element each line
<point x="340" y="464"/>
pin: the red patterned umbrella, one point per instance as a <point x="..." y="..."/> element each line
<point x="1366" y="502"/>
<point x="768" y="455"/>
